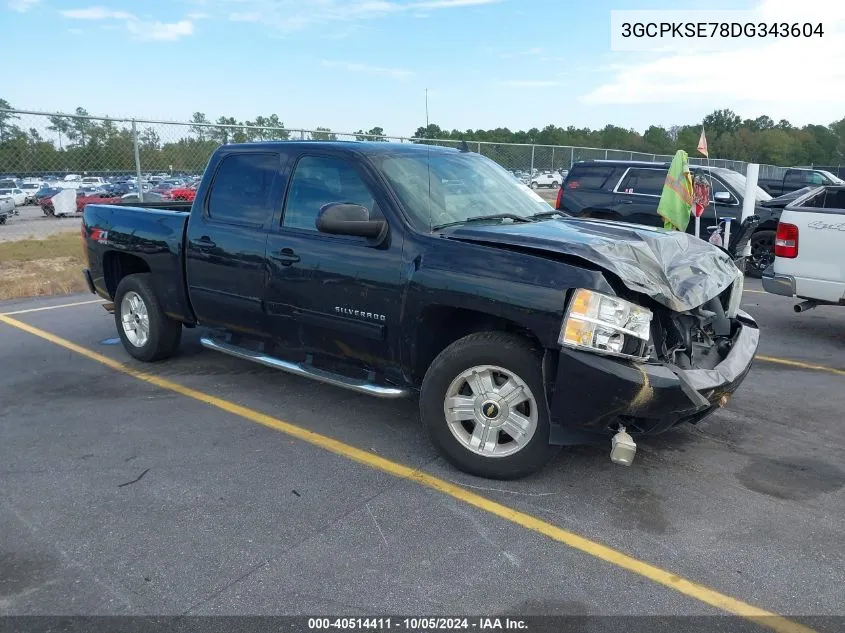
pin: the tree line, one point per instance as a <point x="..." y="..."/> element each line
<point x="759" y="140"/>
<point x="80" y="144"/>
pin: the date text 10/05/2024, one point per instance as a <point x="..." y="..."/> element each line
<point x="417" y="624"/>
<point x="712" y="30"/>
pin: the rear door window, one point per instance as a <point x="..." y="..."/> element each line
<point x="243" y="188"/>
<point x="644" y="181"/>
<point x="795" y="178"/>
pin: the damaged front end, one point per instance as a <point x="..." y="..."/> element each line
<point x="685" y="367"/>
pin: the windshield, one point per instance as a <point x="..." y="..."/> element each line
<point x="737" y="181"/>
<point x="833" y="179"/>
<point x="440" y="188"/>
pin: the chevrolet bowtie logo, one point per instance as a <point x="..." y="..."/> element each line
<point x="491" y="410"/>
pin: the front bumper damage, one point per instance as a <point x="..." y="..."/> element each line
<point x="593" y="395"/>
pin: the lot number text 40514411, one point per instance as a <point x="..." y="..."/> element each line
<point x="417" y="624"/>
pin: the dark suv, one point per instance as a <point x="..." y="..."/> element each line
<point x="629" y="191"/>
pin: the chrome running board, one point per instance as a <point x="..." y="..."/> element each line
<point x="306" y="371"/>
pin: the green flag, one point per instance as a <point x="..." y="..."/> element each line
<point x="676" y="199"/>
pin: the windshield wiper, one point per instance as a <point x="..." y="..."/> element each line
<point x="482" y="218"/>
<point x="548" y="214"/>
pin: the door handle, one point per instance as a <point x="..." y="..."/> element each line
<point x="203" y="243"/>
<point x="627" y="202"/>
<point x="287" y="256"/>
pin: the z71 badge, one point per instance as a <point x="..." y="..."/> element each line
<point x="361" y="314"/>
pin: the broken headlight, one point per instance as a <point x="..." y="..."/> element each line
<point x="606" y="324"/>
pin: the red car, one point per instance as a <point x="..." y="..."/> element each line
<point x="184" y="193"/>
<point x="82" y="198"/>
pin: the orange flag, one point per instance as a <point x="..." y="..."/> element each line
<point x="702" y="144"/>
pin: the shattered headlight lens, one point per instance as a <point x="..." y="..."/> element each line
<point x="606" y="324"/>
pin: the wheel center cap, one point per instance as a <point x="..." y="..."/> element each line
<point x="491" y="410"/>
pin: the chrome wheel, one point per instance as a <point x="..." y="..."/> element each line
<point x="490" y="411"/>
<point x="135" y="319"/>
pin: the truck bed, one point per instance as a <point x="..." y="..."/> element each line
<point x="149" y="238"/>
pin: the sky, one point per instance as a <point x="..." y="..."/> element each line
<point x="352" y="64"/>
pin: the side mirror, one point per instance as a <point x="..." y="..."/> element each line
<point x="346" y="218"/>
<point x="723" y="196"/>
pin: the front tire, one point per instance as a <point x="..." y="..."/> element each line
<point x="145" y="331"/>
<point x="483" y="404"/>
<point x="534" y="185"/>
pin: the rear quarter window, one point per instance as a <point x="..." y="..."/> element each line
<point x="592" y="177"/>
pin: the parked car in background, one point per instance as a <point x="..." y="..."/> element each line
<point x="184" y="193"/>
<point x="796" y="178"/>
<point x="7" y="208"/>
<point x="517" y="328"/>
<point x="149" y="196"/>
<point x="83" y="197"/>
<point x="164" y="189"/>
<point x="18" y="196"/>
<point x="96" y="198"/>
<point x="550" y="179"/>
<point x="629" y="191"/>
<point x="45" y="193"/>
<point x="30" y="189"/>
<point x="809" y="262"/>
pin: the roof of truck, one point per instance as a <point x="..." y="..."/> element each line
<point x="363" y="147"/>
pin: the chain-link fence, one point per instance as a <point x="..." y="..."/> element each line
<point x="70" y="147"/>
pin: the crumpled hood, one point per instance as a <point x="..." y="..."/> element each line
<point x="675" y="269"/>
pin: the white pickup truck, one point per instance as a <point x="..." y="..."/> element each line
<point x="810" y="250"/>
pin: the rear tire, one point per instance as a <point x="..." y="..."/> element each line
<point x="145" y="331"/>
<point x="534" y="185"/>
<point x="762" y="253"/>
<point x="466" y="378"/>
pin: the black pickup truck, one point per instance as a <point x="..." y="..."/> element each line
<point x="409" y="270"/>
<point x="796" y="178"/>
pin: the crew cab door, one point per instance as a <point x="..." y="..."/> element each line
<point x="335" y="296"/>
<point x="226" y="238"/>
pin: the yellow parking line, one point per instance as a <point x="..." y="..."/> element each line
<point x="801" y="365"/>
<point x="602" y="552"/>
<point x="63" y="305"/>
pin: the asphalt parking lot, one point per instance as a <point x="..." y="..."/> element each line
<point x="184" y="492"/>
<point x="31" y="223"/>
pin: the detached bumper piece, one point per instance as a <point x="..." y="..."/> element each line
<point x="596" y="395"/>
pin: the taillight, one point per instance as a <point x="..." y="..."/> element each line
<point x="559" y="198"/>
<point x="786" y="241"/>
